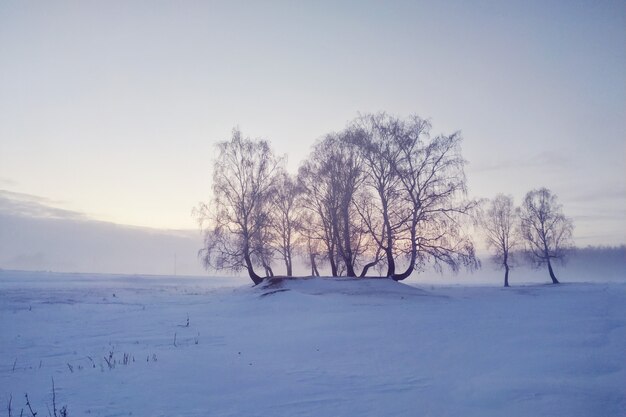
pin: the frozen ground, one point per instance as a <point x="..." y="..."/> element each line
<point x="309" y="348"/>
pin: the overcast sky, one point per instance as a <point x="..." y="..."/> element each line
<point x="110" y="110"/>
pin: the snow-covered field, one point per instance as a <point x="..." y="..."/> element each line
<point x="317" y="347"/>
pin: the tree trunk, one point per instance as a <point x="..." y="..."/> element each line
<point x="346" y="250"/>
<point x="253" y="276"/>
<point x="333" y="265"/>
<point x="554" y="280"/>
<point x="367" y="267"/>
<point x="288" y="264"/>
<point x="405" y="274"/>
<point x="409" y="270"/>
<point x="506" y="274"/>
<point x="350" y="270"/>
<point x="268" y="270"/>
<point x="391" y="263"/>
<point x="314" y="271"/>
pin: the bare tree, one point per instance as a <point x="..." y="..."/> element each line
<point x="319" y="200"/>
<point x="330" y="179"/>
<point x="286" y="218"/>
<point x="378" y="136"/>
<point x="547" y="232"/>
<point x="499" y="225"/>
<point x="309" y="241"/>
<point x="345" y="165"/>
<point x="433" y="180"/>
<point x="419" y="184"/>
<point x="237" y="219"/>
<point x="264" y="251"/>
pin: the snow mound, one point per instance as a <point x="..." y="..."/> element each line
<point x="376" y="287"/>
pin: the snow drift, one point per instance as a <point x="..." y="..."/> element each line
<point x="373" y="347"/>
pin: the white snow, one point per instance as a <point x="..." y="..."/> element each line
<point x="315" y="347"/>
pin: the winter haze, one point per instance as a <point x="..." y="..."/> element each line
<point x="322" y="208"/>
<point x="109" y="113"/>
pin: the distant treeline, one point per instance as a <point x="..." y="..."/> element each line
<point x="616" y="252"/>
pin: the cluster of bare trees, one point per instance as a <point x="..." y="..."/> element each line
<point x="538" y="228"/>
<point x="383" y="194"/>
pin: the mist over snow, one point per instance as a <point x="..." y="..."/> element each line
<point x="313" y="142"/>
<point x="590" y="264"/>
<point x="36" y="236"/>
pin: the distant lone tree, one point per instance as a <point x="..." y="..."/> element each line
<point x="547" y="232"/>
<point x="498" y="222"/>
<point x="239" y="217"/>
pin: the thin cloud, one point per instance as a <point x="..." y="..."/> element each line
<point x="7" y="182"/>
<point x="600" y="217"/>
<point x="28" y="205"/>
<point x="599" y="193"/>
<point x="81" y="244"/>
<point x="543" y="160"/>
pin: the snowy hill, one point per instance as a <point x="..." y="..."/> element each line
<point x="165" y="346"/>
<point x="373" y="287"/>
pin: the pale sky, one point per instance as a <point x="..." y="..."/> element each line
<point x="112" y="109"/>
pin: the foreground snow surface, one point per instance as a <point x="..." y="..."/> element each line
<point x="316" y="347"/>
